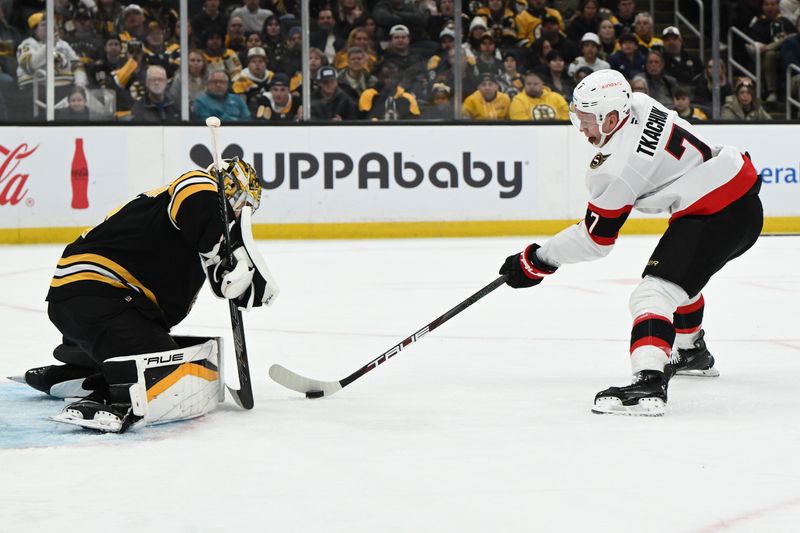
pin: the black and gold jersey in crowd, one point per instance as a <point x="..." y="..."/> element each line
<point x="148" y="249"/>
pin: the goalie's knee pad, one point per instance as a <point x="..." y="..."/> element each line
<point x="171" y="385"/>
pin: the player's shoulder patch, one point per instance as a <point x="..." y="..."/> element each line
<point x="598" y="160"/>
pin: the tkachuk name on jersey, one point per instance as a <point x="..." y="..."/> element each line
<point x="651" y="134"/>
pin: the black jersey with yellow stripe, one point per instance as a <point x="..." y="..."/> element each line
<point x="148" y="249"/>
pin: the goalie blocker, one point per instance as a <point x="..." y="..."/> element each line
<point x="163" y="387"/>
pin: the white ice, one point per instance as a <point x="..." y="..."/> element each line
<point x="482" y="426"/>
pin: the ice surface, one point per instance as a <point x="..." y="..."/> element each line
<point x="482" y="426"/>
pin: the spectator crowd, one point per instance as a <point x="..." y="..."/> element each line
<point x="372" y="59"/>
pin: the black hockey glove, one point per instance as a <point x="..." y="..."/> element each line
<point x="525" y="269"/>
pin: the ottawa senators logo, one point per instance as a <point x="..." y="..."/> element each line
<point x="598" y="160"/>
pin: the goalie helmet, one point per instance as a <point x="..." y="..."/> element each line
<point x="599" y="94"/>
<point x="242" y="186"/>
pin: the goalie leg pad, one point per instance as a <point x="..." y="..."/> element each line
<point x="172" y="385"/>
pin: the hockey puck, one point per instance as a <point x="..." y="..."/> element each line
<point x="315" y="394"/>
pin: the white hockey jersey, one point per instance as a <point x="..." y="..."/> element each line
<point x="656" y="163"/>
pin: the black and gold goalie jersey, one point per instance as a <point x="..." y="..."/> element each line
<point x="147" y="250"/>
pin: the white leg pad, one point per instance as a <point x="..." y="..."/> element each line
<point x="177" y="384"/>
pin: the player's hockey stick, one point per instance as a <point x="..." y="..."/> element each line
<point x="244" y="396"/>
<point x="314" y="388"/>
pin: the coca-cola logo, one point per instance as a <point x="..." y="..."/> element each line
<point x="13" y="182"/>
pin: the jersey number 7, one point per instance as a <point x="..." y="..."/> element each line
<point x="675" y="143"/>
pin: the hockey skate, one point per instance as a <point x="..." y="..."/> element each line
<point x="646" y="396"/>
<point x="695" y="361"/>
<point x="98" y="415"/>
<point x="61" y="381"/>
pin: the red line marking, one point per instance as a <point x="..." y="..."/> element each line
<point x="736" y="521"/>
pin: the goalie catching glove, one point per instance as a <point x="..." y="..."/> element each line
<point x="525" y="269"/>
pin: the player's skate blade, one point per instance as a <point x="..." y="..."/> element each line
<point x="646" y="396"/>
<point x="707" y="373"/>
<point x="17" y="379"/>
<point x="644" y="407"/>
<point x="89" y="414"/>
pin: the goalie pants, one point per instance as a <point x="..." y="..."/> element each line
<point x="106" y="327"/>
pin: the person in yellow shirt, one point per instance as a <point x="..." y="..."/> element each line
<point x="538" y="102"/>
<point x="529" y="21"/>
<point x="487" y="103"/>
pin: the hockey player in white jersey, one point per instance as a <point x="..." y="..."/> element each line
<point x="651" y="160"/>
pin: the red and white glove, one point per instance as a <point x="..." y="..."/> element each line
<point x="525" y="269"/>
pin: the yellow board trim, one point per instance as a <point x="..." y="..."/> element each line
<point x="184" y="193"/>
<point x="111" y="265"/>
<point x="186" y="369"/>
<point x="400" y="230"/>
<point x="84" y="276"/>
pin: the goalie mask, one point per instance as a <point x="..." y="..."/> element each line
<point x="242" y="186"/>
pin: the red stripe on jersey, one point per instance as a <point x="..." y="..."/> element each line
<point x="650" y="316"/>
<point x="686" y="309"/>
<point x="610" y="213"/>
<point x="689" y="330"/>
<point x="724" y="195"/>
<point x="652" y="341"/>
<point x="602" y="241"/>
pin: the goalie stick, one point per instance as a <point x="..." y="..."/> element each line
<point x="244" y="396"/>
<point x="314" y="388"/>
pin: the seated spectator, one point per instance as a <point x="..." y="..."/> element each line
<point x="441" y="107"/>
<point x="388" y="100"/>
<point x="790" y="53"/>
<point x="590" y="48"/>
<point x="679" y="63"/>
<point x="487" y="103"/>
<point x="537" y="59"/>
<point x="487" y="61"/>
<point x="217" y="56"/>
<point x="441" y="70"/>
<point x="624" y="17"/>
<point x="702" y="86"/>
<point x="272" y="42"/>
<point x="530" y="21"/>
<point x="324" y="37"/>
<point x="254" y="79"/>
<point x="156" y="105"/>
<point x="355" y="78"/>
<point x="235" y="39"/>
<point x="586" y="20"/>
<point x="159" y="11"/>
<point x="538" y="102"/>
<point x="390" y="13"/>
<point x="329" y="102"/>
<point x="279" y="103"/>
<point x="410" y="64"/>
<point x="569" y="50"/>
<point x="581" y="73"/>
<point x="608" y="39"/>
<point x="346" y="13"/>
<point x="511" y="81"/>
<point x="359" y="37"/>
<point x="252" y="40"/>
<point x="106" y="17"/>
<point x="639" y="84"/>
<point x="477" y="28"/>
<point x="9" y="40"/>
<point x="659" y="84"/>
<point x="133" y="26"/>
<point x="157" y="53"/>
<point x="555" y="76"/>
<point x="209" y="19"/>
<point x="218" y="102"/>
<point x="629" y="60"/>
<point x="252" y="15"/>
<point x="197" y="78"/>
<point x="682" y="103"/>
<point x="77" y="110"/>
<point x="643" y="29"/>
<point x="83" y="38"/>
<point x="293" y="60"/>
<point x="32" y="56"/>
<point x="744" y="103"/>
<point x="769" y="31"/>
<point x="500" y="21"/>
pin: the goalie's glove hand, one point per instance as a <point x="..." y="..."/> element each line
<point x="525" y="269"/>
<point x="231" y="283"/>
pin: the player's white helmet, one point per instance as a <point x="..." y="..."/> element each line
<point x="242" y="186"/>
<point x="600" y="93"/>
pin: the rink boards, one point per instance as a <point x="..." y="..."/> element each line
<point x="356" y="181"/>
